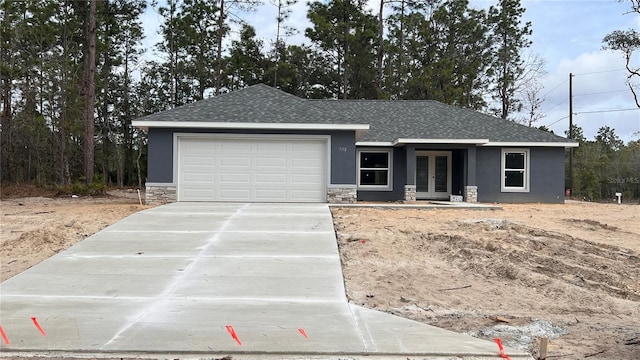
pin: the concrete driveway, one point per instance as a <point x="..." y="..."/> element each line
<point x="214" y="279"/>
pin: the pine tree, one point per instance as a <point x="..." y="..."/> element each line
<point x="245" y="64"/>
<point x="509" y="39"/>
<point x="348" y="35"/>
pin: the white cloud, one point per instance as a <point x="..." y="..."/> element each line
<point x="600" y="95"/>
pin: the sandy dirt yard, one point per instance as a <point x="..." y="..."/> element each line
<point x="570" y="273"/>
<point x="34" y="228"/>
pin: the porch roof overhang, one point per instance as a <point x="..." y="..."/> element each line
<point x="476" y="142"/>
<point x="405" y="141"/>
<point x="360" y="129"/>
<point x="567" y="144"/>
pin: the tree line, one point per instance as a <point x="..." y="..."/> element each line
<point x="603" y="166"/>
<point x="73" y="74"/>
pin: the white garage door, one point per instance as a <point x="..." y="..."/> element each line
<point x="251" y="169"/>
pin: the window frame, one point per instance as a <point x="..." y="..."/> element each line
<point x="526" y="171"/>
<point x="389" y="169"/>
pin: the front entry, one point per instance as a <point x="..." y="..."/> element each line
<point x="433" y="174"/>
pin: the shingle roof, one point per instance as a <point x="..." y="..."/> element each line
<point x="427" y="119"/>
<point x="255" y="104"/>
<point x="389" y="120"/>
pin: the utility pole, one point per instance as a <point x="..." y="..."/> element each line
<point x="571" y="131"/>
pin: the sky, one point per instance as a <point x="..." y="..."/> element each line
<point x="566" y="34"/>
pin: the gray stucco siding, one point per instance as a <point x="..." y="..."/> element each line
<point x="343" y="157"/>
<point x="160" y="145"/>
<point x="546" y="176"/>
<point x="160" y="160"/>
<point x="399" y="177"/>
<point x="458" y="166"/>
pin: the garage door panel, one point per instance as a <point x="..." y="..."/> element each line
<point x="198" y="144"/>
<point x="304" y="169"/>
<point x="232" y="146"/>
<point x="308" y="152"/>
<point x="234" y="195"/>
<point x="270" y="194"/>
<point x="305" y="179"/>
<point x="270" y="178"/>
<point x="271" y="161"/>
<point x="240" y="179"/>
<point x="304" y="163"/>
<point x="271" y="146"/>
<point x="235" y="161"/>
<point x="199" y="193"/>
<point x="199" y="177"/>
<point x="199" y="161"/>
<point x="260" y="169"/>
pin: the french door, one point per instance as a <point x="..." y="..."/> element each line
<point x="433" y="174"/>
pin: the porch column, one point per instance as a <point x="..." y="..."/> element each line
<point x="410" y="186"/>
<point x="470" y="188"/>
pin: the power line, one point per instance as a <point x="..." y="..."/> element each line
<point x="605" y="111"/>
<point x="557" y="121"/>
<point x="586" y="94"/>
<point x="602" y="92"/>
<point x="557" y="86"/>
<point x="564" y="82"/>
<point x="599" y="72"/>
<point x="555" y="106"/>
<point x="592" y="112"/>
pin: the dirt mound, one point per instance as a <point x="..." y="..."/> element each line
<point x="534" y="257"/>
<point x="40" y="240"/>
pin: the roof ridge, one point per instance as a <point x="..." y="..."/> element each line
<point x="374" y="100"/>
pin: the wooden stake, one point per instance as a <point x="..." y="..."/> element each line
<point x="543" y="349"/>
<point x="140" y="198"/>
<point x="456" y="288"/>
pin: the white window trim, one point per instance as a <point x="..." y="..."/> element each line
<point x="389" y="186"/>
<point x="527" y="171"/>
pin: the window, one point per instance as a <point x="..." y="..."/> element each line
<point x="374" y="169"/>
<point x="515" y="170"/>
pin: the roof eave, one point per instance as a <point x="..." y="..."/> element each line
<point x="477" y="142"/>
<point x="146" y="124"/>
<point x="402" y="141"/>
<point x="566" y="144"/>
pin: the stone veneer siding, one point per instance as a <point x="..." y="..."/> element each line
<point x="409" y="193"/>
<point x="342" y="194"/>
<point x="158" y="194"/>
<point x="471" y="194"/>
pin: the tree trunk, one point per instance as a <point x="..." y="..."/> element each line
<point x="345" y="58"/>
<point x="105" y="126"/>
<point x="5" y="94"/>
<point x="138" y="165"/>
<point x="126" y="123"/>
<point x="173" y="57"/>
<point x="380" y="48"/>
<point x="89" y="93"/>
<point x="220" y="35"/>
<point x="62" y="168"/>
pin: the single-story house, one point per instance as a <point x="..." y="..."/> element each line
<point x="260" y="144"/>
